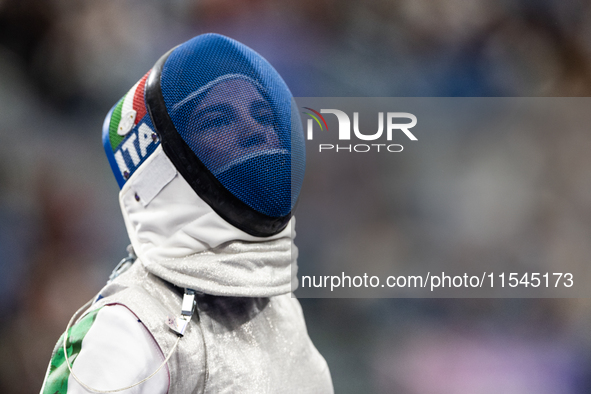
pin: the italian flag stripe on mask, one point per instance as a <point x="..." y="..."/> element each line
<point x="128" y="112"/>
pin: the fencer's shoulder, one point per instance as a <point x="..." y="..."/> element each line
<point x="147" y="296"/>
<point x="153" y="301"/>
<point x="108" y="348"/>
<point x="134" y="279"/>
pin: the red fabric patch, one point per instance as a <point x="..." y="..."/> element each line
<point x="139" y="105"/>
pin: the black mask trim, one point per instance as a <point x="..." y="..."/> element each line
<point x="203" y="182"/>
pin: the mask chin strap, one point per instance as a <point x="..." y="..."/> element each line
<point x="178" y="325"/>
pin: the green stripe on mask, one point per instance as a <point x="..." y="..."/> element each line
<point x="114" y="125"/>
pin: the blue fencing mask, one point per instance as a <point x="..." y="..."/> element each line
<point x="223" y="116"/>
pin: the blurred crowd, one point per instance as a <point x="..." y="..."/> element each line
<point x="64" y="63"/>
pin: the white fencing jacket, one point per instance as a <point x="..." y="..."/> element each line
<point x="248" y="334"/>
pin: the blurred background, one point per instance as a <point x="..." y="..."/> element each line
<point x="64" y="63"/>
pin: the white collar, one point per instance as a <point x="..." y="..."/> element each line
<point x="181" y="239"/>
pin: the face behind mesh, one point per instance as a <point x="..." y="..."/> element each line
<point x="234" y="111"/>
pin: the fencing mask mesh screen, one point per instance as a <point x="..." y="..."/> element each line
<point x="225" y="114"/>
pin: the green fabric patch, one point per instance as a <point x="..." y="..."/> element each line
<point x="115" y="138"/>
<point x="57" y="377"/>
